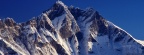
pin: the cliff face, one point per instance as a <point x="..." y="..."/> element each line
<point x="63" y="30"/>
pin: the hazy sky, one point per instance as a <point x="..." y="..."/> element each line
<point x="127" y="14"/>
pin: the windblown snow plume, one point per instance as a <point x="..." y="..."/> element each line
<point x="63" y="30"/>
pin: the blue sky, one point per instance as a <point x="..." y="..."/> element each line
<point x="127" y="14"/>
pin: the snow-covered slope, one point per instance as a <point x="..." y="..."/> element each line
<point x="63" y="30"/>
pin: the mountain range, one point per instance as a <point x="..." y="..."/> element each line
<point x="63" y="30"/>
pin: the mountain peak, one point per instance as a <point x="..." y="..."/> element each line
<point x="58" y="9"/>
<point x="60" y="3"/>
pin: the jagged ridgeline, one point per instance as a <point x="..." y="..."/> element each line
<point x="63" y="30"/>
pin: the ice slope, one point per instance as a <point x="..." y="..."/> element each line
<point x="63" y="30"/>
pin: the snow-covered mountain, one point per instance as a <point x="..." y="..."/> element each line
<point x="63" y="30"/>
